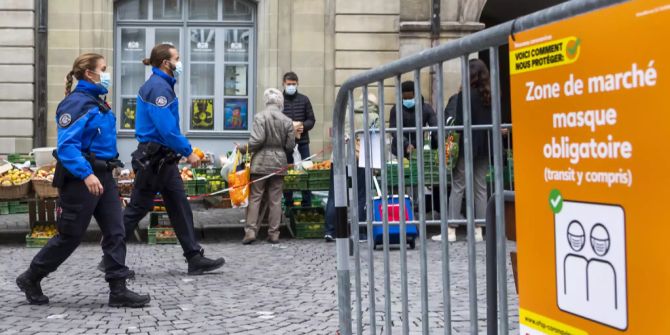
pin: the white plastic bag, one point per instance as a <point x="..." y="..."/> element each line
<point x="297" y="159"/>
<point x="227" y="166"/>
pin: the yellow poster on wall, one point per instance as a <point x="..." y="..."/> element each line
<point x="592" y="165"/>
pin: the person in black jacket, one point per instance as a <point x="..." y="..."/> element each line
<point x="299" y="109"/>
<point x="480" y="111"/>
<point x="409" y="120"/>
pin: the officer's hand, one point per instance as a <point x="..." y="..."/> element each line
<point x="193" y="159"/>
<point x="94" y="186"/>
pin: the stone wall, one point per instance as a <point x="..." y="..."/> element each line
<point x="17" y="75"/>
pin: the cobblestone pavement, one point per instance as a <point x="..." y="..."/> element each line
<point x="262" y="289"/>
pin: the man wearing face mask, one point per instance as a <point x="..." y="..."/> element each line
<point x="409" y="120"/>
<point x="299" y="109"/>
<point x="161" y="146"/>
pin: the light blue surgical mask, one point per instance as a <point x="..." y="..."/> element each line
<point x="178" y="69"/>
<point x="105" y="80"/>
<point x="291" y="89"/>
<point x="408" y="103"/>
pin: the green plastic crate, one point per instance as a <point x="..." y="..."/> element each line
<point x="17" y="207"/>
<point x="20" y="158"/>
<point x="308" y="222"/>
<point x="4" y="208"/>
<point x="36" y="242"/>
<point x="318" y="184"/>
<point x="195" y="187"/>
<point x="153" y="236"/>
<point x="297" y="182"/>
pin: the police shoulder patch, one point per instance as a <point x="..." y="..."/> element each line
<point x="65" y="120"/>
<point x="161" y="101"/>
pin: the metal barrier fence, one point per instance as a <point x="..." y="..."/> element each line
<point x="489" y="39"/>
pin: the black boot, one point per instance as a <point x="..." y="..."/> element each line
<point x="101" y="268"/>
<point x="200" y="264"/>
<point x="120" y="296"/>
<point x="29" y="283"/>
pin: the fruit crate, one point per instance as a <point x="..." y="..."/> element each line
<point x="318" y="184"/>
<point x="308" y="222"/>
<point x="298" y="182"/>
<point x="4" y="208"/>
<point x="195" y="187"/>
<point x="40" y="241"/>
<point x="161" y="235"/>
<point x="20" y="158"/>
<point x="18" y="207"/>
<point x="318" y="180"/>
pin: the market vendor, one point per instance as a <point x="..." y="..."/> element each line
<point x="86" y="157"/>
<point x="161" y="146"/>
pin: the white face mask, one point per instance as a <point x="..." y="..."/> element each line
<point x="178" y="69"/>
<point x="105" y="80"/>
<point x="291" y="89"/>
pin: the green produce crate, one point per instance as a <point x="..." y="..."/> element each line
<point x="18" y="207"/>
<point x="318" y="174"/>
<point x="318" y="184"/>
<point x="309" y="231"/>
<point x="308" y="222"/>
<point x="195" y="187"/>
<point x="36" y="242"/>
<point x="4" y="208"/>
<point x="296" y="182"/>
<point x="20" y="158"/>
<point x="153" y="236"/>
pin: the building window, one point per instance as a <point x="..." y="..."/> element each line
<point x="215" y="39"/>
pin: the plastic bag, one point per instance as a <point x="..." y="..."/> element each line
<point x="238" y="181"/>
<point x="297" y="159"/>
<point x="227" y="165"/>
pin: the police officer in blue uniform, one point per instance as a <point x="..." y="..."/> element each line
<point x="161" y="146"/>
<point x="86" y="156"/>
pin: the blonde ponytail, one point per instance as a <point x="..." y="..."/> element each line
<point x="68" y="83"/>
<point x="87" y="61"/>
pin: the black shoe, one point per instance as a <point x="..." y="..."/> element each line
<point x="101" y="268"/>
<point x="120" y="296"/>
<point x="329" y="238"/>
<point x="29" y="283"/>
<point x="200" y="264"/>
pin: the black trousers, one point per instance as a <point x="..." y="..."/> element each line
<point x="171" y="188"/>
<point x="77" y="206"/>
<point x="306" y="201"/>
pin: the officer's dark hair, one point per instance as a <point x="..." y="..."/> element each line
<point x="87" y="61"/>
<point x="290" y="76"/>
<point x="159" y="53"/>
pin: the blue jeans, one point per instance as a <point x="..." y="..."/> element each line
<point x="330" y="205"/>
<point x="303" y="148"/>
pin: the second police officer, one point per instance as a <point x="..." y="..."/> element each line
<point x="87" y="154"/>
<point x="161" y="146"/>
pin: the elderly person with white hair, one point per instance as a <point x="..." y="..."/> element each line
<point x="272" y="136"/>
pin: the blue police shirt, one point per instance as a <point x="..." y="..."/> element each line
<point x="157" y="117"/>
<point x="84" y="126"/>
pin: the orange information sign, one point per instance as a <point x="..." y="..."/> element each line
<point x="592" y="163"/>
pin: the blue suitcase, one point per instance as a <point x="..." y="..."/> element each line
<point x="394" y="216"/>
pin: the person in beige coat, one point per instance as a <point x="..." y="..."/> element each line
<point x="272" y="136"/>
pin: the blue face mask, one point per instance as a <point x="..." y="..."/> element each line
<point x="408" y="103"/>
